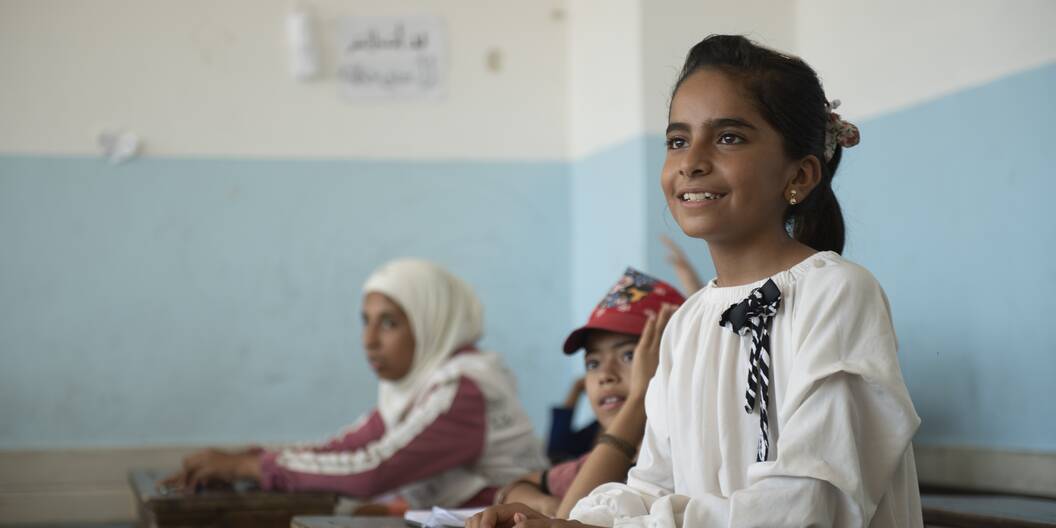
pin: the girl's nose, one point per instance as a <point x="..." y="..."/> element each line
<point x="370" y="337"/>
<point x="696" y="161"/>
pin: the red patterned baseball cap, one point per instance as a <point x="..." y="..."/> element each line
<point x="627" y="307"/>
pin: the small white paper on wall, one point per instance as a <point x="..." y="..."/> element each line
<point x="393" y="57"/>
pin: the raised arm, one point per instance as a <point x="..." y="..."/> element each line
<point x="607" y="461"/>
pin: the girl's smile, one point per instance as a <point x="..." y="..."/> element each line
<point x="698" y="198"/>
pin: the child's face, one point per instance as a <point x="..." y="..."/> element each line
<point x="719" y="144"/>
<point x="608" y="360"/>
<point x="387" y="337"/>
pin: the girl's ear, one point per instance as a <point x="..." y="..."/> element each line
<point x="806" y="177"/>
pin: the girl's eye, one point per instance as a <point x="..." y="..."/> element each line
<point x="591" y="364"/>
<point x="388" y="323"/>
<point x="730" y="139"/>
<point x="676" y="143"/>
<point x="628" y="356"/>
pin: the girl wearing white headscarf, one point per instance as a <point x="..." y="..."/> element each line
<point x="448" y="432"/>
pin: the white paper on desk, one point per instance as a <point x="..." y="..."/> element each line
<point x="440" y="517"/>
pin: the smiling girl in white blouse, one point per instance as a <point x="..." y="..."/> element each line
<point x="778" y="400"/>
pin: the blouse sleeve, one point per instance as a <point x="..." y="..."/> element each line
<point x="443" y="431"/>
<point x="846" y="425"/>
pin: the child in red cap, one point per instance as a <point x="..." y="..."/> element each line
<point x="621" y="339"/>
<point x="565" y="443"/>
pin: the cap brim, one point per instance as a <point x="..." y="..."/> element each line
<point x="576" y="339"/>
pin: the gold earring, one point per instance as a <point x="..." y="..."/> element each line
<point x="793" y="201"/>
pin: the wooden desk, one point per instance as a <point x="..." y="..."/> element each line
<point x="221" y="508"/>
<point x="347" y="522"/>
<point x="945" y="511"/>
<point x="987" y="511"/>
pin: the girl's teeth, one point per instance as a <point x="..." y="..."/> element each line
<point x="699" y="197"/>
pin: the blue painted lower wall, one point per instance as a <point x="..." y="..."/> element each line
<point x="180" y="301"/>
<point x="215" y="301"/>
<point x="618" y="217"/>
<point x="607" y="233"/>
<point x="949" y="203"/>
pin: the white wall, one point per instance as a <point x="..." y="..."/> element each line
<point x="209" y="78"/>
<point x="605" y="74"/>
<point x="671" y="27"/>
<point x="881" y="56"/>
<point x="626" y="54"/>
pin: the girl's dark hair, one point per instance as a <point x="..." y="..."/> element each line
<point x="788" y="94"/>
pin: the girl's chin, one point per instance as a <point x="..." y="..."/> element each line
<point x="386" y="374"/>
<point x="701" y="233"/>
<point x="698" y="227"/>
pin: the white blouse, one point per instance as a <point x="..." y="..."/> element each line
<point x="841" y="419"/>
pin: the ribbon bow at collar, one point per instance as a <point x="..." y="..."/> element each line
<point x="752" y="316"/>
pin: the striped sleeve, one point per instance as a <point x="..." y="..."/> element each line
<point x="367" y="430"/>
<point x="444" y="430"/>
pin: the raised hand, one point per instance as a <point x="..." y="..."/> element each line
<point x="647" y="353"/>
<point x="687" y="276"/>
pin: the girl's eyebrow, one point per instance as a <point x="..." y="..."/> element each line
<point x="718" y="122"/>
<point x="727" y="122"/>
<point x="680" y="127"/>
<point x="380" y="314"/>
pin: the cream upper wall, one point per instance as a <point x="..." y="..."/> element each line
<point x="672" y="27"/>
<point x="881" y="56"/>
<point x="626" y="54"/>
<point x="875" y="56"/>
<point x="210" y="78"/>
<point x="605" y="73"/>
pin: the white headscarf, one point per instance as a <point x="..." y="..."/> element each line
<point x="444" y="314"/>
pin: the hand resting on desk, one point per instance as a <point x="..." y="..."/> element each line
<point x="212" y="467"/>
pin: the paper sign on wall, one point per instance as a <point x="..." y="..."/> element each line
<point x="393" y="57"/>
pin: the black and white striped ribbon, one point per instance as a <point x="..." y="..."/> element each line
<point x="752" y="316"/>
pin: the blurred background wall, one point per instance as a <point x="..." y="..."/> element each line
<point x="207" y="292"/>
